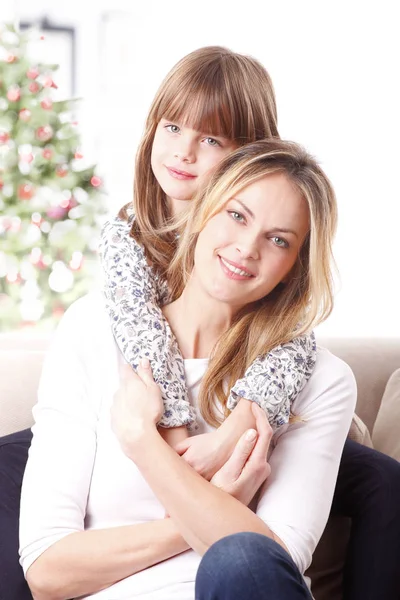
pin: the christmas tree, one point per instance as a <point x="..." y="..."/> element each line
<point x="51" y="203"/>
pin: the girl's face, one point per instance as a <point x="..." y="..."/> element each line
<point x="251" y="245"/>
<point x="183" y="158"/>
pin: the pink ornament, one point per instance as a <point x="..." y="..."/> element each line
<point x="25" y="191"/>
<point x="6" y="223"/>
<point x="28" y="158"/>
<point x="56" y="212"/>
<point x="4" y="137"/>
<point x="32" y="73"/>
<point x="45" y="133"/>
<point x="1" y="184"/>
<point x="72" y="203"/>
<point x="61" y="171"/>
<point x="14" y="94"/>
<point x="25" y="114"/>
<point x="96" y="181"/>
<point x="78" y="155"/>
<point x="34" y="87"/>
<point x="48" y="82"/>
<point x="47" y="153"/>
<point x="11" y="58"/>
<point x="46" y="104"/>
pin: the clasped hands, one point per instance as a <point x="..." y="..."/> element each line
<point x="238" y="469"/>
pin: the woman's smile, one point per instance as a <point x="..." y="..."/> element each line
<point x="234" y="271"/>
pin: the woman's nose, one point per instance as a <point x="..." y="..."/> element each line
<point x="247" y="246"/>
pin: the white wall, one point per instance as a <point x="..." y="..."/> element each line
<point x="335" y="66"/>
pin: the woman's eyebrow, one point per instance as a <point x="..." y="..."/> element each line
<point x="272" y="229"/>
<point x="245" y="208"/>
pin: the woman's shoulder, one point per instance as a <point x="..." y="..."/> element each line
<point x="331" y="383"/>
<point x="86" y="317"/>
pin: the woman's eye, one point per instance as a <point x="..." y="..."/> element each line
<point x="278" y="241"/>
<point x="173" y="128"/>
<point x="236" y="216"/>
<point x="212" y="142"/>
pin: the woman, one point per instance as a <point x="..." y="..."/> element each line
<point x="252" y="264"/>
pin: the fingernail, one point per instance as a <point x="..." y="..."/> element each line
<point x="145" y="363"/>
<point x="251" y="435"/>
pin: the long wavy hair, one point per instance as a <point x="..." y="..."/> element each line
<point x="211" y="89"/>
<point x="292" y="308"/>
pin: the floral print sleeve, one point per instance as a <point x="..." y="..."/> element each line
<point x="275" y="379"/>
<point x="134" y="294"/>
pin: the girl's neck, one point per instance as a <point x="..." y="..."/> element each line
<point x="197" y="321"/>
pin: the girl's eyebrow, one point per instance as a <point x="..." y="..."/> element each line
<point x="277" y="229"/>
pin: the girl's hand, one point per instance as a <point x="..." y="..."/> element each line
<point x="137" y="406"/>
<point x="206" y="453"/>
<point x="247" y="469"/>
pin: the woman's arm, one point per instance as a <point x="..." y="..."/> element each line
<point x="296" y="499"/>
<point x="59" y="558"/>
<point x="183" y="492"/>
<point x="86" y="562"/>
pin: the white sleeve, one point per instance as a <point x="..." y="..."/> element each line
<point x="295" y="500"/>
<point x="57" y="477"/>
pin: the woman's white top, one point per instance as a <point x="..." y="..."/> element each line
<point x="77" y="476"/>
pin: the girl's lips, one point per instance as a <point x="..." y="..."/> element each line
<point x="230" y="274"/>
<point x="176" y="174"/>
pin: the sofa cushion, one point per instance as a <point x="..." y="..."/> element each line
<point x="19" y="379"/>
<point x="359" y="432"/>
<point x="386" y="437"/>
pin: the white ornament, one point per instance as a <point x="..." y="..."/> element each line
<point x="61" y="279"/>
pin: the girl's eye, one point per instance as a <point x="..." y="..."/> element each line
<point x="212" y="142"/>
<point x="236" y="216"/>
<point x="172" y="128"/>
<point x="280" y="242"/>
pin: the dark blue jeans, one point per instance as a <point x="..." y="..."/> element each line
<point x="367" y="490"/>
<point x="249" y="566"/>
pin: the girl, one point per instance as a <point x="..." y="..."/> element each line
<point x="183" y="146"/>
<point x="92" y="513"/>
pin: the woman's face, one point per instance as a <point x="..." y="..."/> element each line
<point x="182" y="158"/>
<point x="251" y="245"/>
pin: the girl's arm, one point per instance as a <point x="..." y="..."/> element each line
<point x="275" y="379"/>
<point x="133" y="295"/>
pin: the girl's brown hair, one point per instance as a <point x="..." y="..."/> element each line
<point x="214" y="90"/>
<point x="292" y="308"/>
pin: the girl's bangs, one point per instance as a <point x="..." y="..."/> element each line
<point x="205" y="108"/>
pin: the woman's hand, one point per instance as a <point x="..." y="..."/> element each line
<point x="137" y="406"/>
<point x="247" y="469"/>
<point x="206" y="453"/>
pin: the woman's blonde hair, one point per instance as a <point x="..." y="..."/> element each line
<point x="213" y="90"/>
<point x="292" y="308"/>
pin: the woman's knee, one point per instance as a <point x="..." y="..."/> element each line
<point x="238" y="557"/>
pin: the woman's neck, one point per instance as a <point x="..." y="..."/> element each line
<point x="197" y="321"/>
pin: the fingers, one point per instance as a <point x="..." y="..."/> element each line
<point x="264" y="433"/>
<point x="144" y="371"/>
<point x="243" y="449"/>
<point x="181" y="447"/>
